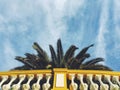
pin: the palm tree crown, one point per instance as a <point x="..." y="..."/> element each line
<point x="59" y="59"/>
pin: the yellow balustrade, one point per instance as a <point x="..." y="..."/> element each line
<point x="60" y="77"/>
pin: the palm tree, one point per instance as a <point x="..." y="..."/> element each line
<point x="59" y="59"/>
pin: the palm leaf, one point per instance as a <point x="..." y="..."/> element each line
<point x="97" y="67"/>
<point x="59" y="60"/>
<point x="41" y="52"/>
<point x="94" y="61"/>
<point x="75" y="64"/>
<point x="37" y="61"/>
<point x="30" y="56"/>
<point x="59" y="51"/>
<point x="53" y="55"/>
<point x="69" y="63"/>
<point x="25" y="61"/>
<point x="24" y="67"/>
<point x="70" y="53"/>
<point x="83" y="58"/>
<point x="83" y="51"/>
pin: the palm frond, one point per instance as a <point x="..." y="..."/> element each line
<point x="35" y="60"/>
<point x="41" y="52"/>
<point x="25" y="61"/>
<point x="70" y="53"/>
<point x="30" y="56"/>
<point x="59" y="60"/>
<point x="96" y="67"/>
<point x="24" y="67"/>
<point x="59" y="51"/>
<point x="94" y="61"/>
<point x="82" y="52"/>
<point x="53" y="55"/>
<point x="75" y="64"/>
<point x="83" y="58"/>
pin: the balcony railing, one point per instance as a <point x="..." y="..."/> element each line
<point x="59" y="79"/>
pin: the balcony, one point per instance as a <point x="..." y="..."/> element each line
<point x="60" y="79"/>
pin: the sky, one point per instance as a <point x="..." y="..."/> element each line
<point x="78" y="22"/>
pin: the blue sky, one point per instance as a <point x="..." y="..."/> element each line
<point x="79" y="22"/>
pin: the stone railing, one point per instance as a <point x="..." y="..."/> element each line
<point x="60" y="79"/>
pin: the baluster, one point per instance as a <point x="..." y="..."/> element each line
<point x="93" y="86"/>
<point x="73" y="85"/>
<point x="27" y="85"/>
<point x="83" y="86"/>
<point x="4" y="78"/>
<point x="46" y="86"/>
<point x="115" y="79"/>
<point x="103" y="86"/>
<point x="112" y="86"/>
<point x="8" y="86"/>
<point x="36" y="86"/>
<point x="17" y="86"/>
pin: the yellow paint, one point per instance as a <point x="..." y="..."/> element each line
<point x="17" y="72"/>
<point x="60" y="71"/>
<point x="94" y="72"/>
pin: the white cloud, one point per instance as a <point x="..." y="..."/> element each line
<point x="116" y="10"/>
<point x="56" y="26"/>
<point x="117" y="21"/>
<point x="101" y="43"/>
<point x="72" y="6"/>
<point x="115" y="52"/>
<point x="19" y="17"/>
<point x="9" y="55"/>
<point x="54" y="10"/>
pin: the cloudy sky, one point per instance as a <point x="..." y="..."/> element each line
<point x="79" y="22"/>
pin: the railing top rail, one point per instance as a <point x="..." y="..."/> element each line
<point x="17" y="72"/>
<point x="68" y="71"/>
<point x="94" y="72"/>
